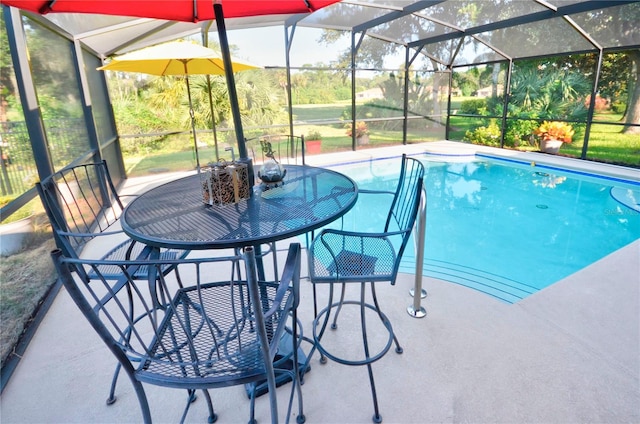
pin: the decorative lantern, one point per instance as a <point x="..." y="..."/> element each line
<point x="224" y="183"/>
<point x="271" y="172"/>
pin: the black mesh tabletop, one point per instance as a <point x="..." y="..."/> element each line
<point x="174" y="215"/>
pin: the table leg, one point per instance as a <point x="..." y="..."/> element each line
<point x="259" y="262"/>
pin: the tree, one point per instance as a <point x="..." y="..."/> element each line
<point x="619" y="25"/>
<point x="632" y="115"/>
<point x="7" y="86"/>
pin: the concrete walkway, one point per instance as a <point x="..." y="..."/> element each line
<point x="567" y="354"/>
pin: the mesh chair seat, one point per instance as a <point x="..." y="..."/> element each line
<point x="227" y="353"/>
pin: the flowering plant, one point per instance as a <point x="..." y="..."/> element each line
<point x="314" y="135"/>
<point x="553" y="130"/>
<point x="361" y="129"/>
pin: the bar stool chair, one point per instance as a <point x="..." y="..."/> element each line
<point x="344" y="257"/>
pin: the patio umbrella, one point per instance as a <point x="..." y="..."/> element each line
<point x="186" y="11"/>
<point x="177" y="58"/>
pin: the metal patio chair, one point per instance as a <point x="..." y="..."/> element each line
<point x="223" y="328"/>
<point x="82" y="205"/>
<point x="343" y="257"/>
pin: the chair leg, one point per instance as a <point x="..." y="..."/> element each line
<point x="142" y="400"/>
<point x="213" y="417"/>
<point x="178" y="279"/>
<point x="323" y="358"/>
<point x="315" y="302"/>
<point x="369" y="358"/>
<point x="274" y="252"/>
<point x="252" y="405"/>
<point x="297" y="379"/>
<point x="112" y="392"/>
<point x="334" y="325"/>
<point x="383" y="318"/>
<point x="191" y="397"/>
<point x="377" y="418"/>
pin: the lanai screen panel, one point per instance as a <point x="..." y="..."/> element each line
<point x="422" y="62"/>
<point x="409" y="28"/>
<point x="377" y="53"/>
<point x="442" y="52"/>
<point x="343" y="16"/>
<point x="614" y="26"/>
<point x="102" y="32"/>
<point x="261" y="46"/>
<point x="549" y="37"/>
<point x="466" y="14"/>
<point x="473" y="51"/>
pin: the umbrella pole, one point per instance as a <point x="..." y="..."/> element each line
<point x="213" y="119"/>
<point x="231" y="87"/>
<point x="193" y="124"/>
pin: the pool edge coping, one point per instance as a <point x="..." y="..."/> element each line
<point x="455" y="149"/>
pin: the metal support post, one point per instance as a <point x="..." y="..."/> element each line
<point x="415" y="310"/>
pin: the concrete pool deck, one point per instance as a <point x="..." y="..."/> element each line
<point x="569" y="353"/>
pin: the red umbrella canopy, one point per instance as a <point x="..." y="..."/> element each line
<point x="174" y="10"/>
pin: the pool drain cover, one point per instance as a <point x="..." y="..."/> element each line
<point x="542" y="206"/>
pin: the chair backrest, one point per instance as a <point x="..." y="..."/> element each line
<point x="80" y="200"/>
<point x="355" y="256"/>
<point x="406" y="201"/>
<point x="222" y="328"/>
<point x="287" y="149"/>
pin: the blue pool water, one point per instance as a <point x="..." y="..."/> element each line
<point x="505" y="228"/>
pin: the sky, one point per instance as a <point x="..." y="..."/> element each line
<point x="266" y="47"/>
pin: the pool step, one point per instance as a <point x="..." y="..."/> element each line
<point x="629" y="197"/>
<point x="502" y="288"/>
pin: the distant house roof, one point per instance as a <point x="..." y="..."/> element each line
<point x="372" y="93"/>
<point x="487" y="91"/>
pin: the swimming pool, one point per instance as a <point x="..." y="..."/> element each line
<point x="504" y="227"/>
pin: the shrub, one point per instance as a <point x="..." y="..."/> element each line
<point x="488" y="136"/>
<point x="314" y="135"/>
<point x="519" y="132"/>
<point x="619" y="107"/>
<point x="601" y="105"/>
<point x="473" y="106"/>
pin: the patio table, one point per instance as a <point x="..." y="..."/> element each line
<point x="174" y="215"/>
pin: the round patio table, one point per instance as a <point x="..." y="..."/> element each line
<point x="174" y="215"/>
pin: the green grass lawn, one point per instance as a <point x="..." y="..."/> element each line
<point x="315" y="112"/>
<point x="606" y="144"/>
<point x="160" y="162"/>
